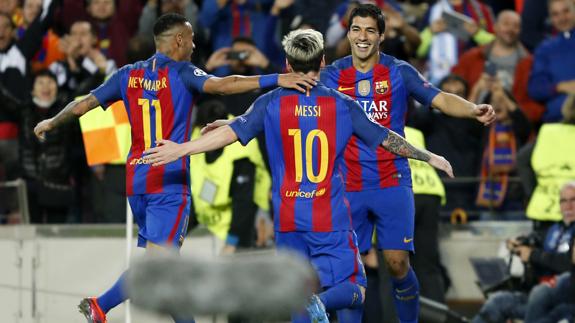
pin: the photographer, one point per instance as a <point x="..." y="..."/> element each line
<point x="544" y="258"/>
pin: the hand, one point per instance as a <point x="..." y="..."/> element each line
<point x="524" y="252"/>
<point x="256" y="58"/>
<point x="471" y="27"/>
<point x="99" y="172"/>
<point x="218" y="58"/>
<point x="214" y="125"/>
<point x="438" y="26"/>
<point x="42" y="127"/>
<point x="99" y="59"/>
<point x="280" y="5"/>
<point x="484" y="113"/>
<point x="298" y="81"/>
<point x="165" y="152"/>
<point x="511" y="244"/>
<point x="566" y="87"/>
<point x="441" y="163"/>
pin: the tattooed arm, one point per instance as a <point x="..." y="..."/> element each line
<point x="396" y="144"/>
<point x="72" y="111"/>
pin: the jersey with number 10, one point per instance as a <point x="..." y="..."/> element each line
<point x="158" y="95"/>
<point x="383" y="93"/>
<point x="305" y="137"/>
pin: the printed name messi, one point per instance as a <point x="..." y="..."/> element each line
<point x="307" y="111"/>
<point x="147" y="84"/>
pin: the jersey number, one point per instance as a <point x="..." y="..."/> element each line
<point x="147" y="119"/>
<point x="297" y="140"/>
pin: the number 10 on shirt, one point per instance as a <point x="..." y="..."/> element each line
<point x="309" y="140"/>
<point x="147" y="120"/>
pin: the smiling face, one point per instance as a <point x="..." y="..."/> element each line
<point x="567" y="203"/>
<point x="45" y="89"/>
<point x="364" y="38"/>
<point x="562" y="14"/>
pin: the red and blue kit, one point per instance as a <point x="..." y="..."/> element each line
<point x="383" y="93"/>
<point x="158" y="95"/>
<point x="306" y="136"/>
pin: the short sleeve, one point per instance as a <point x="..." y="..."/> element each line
<point x="417" y="86"/>
<point x="371" y="133"/>
<point x="110" y="91"/>
<point x="251" y="123"/>
<point x="194" y="77"/>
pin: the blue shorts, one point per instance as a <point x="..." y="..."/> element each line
<point x="391" y="210"/>
<point x="162" y="218"/>
<point x="334" y="255"/>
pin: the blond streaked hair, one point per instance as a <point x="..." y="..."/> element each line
<point x="304" y="49"/>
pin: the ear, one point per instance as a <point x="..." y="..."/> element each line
<point x="288" y="67"/>
<point x="381" y="37"/>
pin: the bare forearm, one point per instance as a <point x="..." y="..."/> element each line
<point x="74" y="110"/>
<point x="396" y="144"/>
<point x="234" y="84"/>
<point x="454" y="105"/>
<point x="215" y="139"/>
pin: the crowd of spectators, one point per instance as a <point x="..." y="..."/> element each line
<point x="513" y="54"/>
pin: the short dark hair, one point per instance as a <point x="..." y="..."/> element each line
<point x="93" y="28"/>
<point x="46" y="73"/>
<point x="167" y="22"/>
<point x="455" y="78"/>
<point x="304" y="50"/>
<point x="368" y="10"/>
<point x="244" y="40"/>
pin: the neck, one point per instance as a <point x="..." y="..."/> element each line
<point x="502" y="49"/>
<point x="365" y="65"/>
<point x="168" y="52"/>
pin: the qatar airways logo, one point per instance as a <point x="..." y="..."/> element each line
<point x="375" y="110"/>
<point x="304" y="194"/>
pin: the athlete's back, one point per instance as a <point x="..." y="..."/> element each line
<point x="158" y="95"/>
<point x="306" y="136"/>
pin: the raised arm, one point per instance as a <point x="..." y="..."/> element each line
<point x="396" y="144"/>
<point x="458" y="107"/>
<point x="167" y="151"/>
<point x="239" y="84"/>
<point x="72" y="111"/>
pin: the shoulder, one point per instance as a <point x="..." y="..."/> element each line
<point x="343" y="63"/>
<point x="548" y="45"/>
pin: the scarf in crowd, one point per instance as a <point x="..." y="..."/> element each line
<point x="498" y="160"/>
<point x="444" y="50"/>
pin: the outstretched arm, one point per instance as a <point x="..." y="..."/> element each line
<point x="239" y="84"/>
<point x="167" y="151"/>
<point x="396" y="144"/>
<point x="455" y="106"/>
<point x="72" y="111"/>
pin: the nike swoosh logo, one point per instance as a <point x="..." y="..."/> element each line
<point x="405" y="240"/>
<point x="401" y="291"/>
<point x="341" y="88"/>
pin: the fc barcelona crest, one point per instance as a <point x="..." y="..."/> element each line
<point x="381" y="87"/>
<point x="364" y="87"/>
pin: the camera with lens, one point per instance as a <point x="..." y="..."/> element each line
<point x="528" y="241"/>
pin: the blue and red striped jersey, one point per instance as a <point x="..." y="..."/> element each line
<point x="306" y="136"/>
<point x="383" y="93"/>
<point x="158" y="95"/>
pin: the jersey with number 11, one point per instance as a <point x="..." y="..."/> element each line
<point x="306" y="136"/>
<point x="158" y="95"/>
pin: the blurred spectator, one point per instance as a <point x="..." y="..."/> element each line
<point x="12" y="9"/>
<point x="553" y="74"/>
<point x="50" y="51"/>
<point x="151" y="11"/>
<point x="229" y="19"/>
<point x="544" y="256"/>
<point x="116" y="21"/>
<point x="548" y="163"/>
<point x="46" y="166"/>
<point x="555" y="305"/>
<point x="244" y="58"/>
<point x="229" y="186"/>
<point x="401" y="39"/>
<point x="442" y="45"/>
<point x="459" y="140"/>
<point x="14" y="77"/>
<point x="501" y="141"/>
<point x="84" y="62"/>
<point x="317" y="13"/>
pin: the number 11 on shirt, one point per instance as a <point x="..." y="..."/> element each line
<point x="147" y="118"/>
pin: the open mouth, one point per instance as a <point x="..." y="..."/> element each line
<point x="362" y="46"/>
